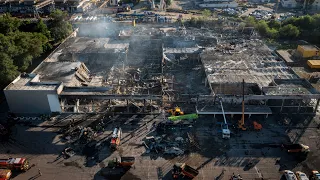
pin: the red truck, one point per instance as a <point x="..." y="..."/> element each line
<point x="115" y="138"/>
<point x="20" y="164"/>
<point x="182" y="169"/>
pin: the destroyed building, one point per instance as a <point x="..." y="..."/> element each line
<point x="143" y="69"/>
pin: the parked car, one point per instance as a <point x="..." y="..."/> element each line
<point x="301" y="176"/>
<point x="315" y="175"/>
<point x="289" y="175"/>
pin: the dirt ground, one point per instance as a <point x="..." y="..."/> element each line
<point x="216" y="158"/>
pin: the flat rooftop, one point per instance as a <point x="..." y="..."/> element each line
<point x="65" y="72"/>
<point x="85" y="45"/>
<point x="31" y="82"/>
<point x="250" y="60"/>
<point x="310" y="47"/>
<point x="287" y="57"/>
<point x="290" y="87"/>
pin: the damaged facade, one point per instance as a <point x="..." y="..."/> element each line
<point x="153" y="68"/>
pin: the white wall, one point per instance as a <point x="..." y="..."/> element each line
<point x="28" y="101"/>
<point x="54" y="103"/>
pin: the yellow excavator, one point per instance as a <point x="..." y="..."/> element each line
<point x="241" y="124"/>
<point x="175" y="112"/>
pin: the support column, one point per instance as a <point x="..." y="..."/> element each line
<point x="299" y="107"/>
<point x="249" y="115"/>
<point x="197" y="101"/>
<point x="144" y="106"/>
<point x="77" y="105"/>
<point x="127" y="105"/>
<point x="92" y="107"/>
<point x="282" y="105"/>
<point x="232" y="115"/>
<point x="316" y="108"/>
<point x="267" y="116"/>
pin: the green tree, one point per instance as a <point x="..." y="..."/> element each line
<point x="8" y="71"/>
<point x="262" y="27"/>
<point x="29" y="46"/>
<point x="7" y="45"/>
<point x="193" y="21"/>
<point x="289" y="31"/>
<point x="59" y="27"/>
<point x="272" y="33"/>
<point x="169" y="2"/>
<point x="305" y="22"/>
<point x="250" y="21"/>
<point x="42" y="28"/>
<point x="8" y="24"/>
<point x="274" y="24"/>
<point x="206" y="13"/>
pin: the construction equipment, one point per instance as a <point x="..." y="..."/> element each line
<point x="257" y="126"/>
<point x="124" y="162"/>
<point x="20" y="164"/>
<point x="183" y="117"/>
<point x="224" y="126"/>
<point x="182" y="169"/>
<point x="5" y="174"/>
<point x="176" y="111"/>
<point x="117" y="167"/>
<point x="115" y="138"/>
<point x="241" y="122"/>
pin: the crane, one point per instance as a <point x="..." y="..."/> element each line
<point x="224" y="125"/>
<point x="241" y="122"/>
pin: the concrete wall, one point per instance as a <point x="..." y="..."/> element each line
<point x="288" y="3"/>
<point x="31" y="102"/>
<point x="229" y="88"/>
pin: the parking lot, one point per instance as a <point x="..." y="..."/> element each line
<point x="215" y="157"/>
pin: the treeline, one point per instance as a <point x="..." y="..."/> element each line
<point x="22" y="41"/>
<point x="303" y="27"/>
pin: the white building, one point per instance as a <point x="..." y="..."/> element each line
<point x="316" y="5"/>
<point x="288" y="3"/>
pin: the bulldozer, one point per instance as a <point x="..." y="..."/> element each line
<point x="175" y="112"/>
